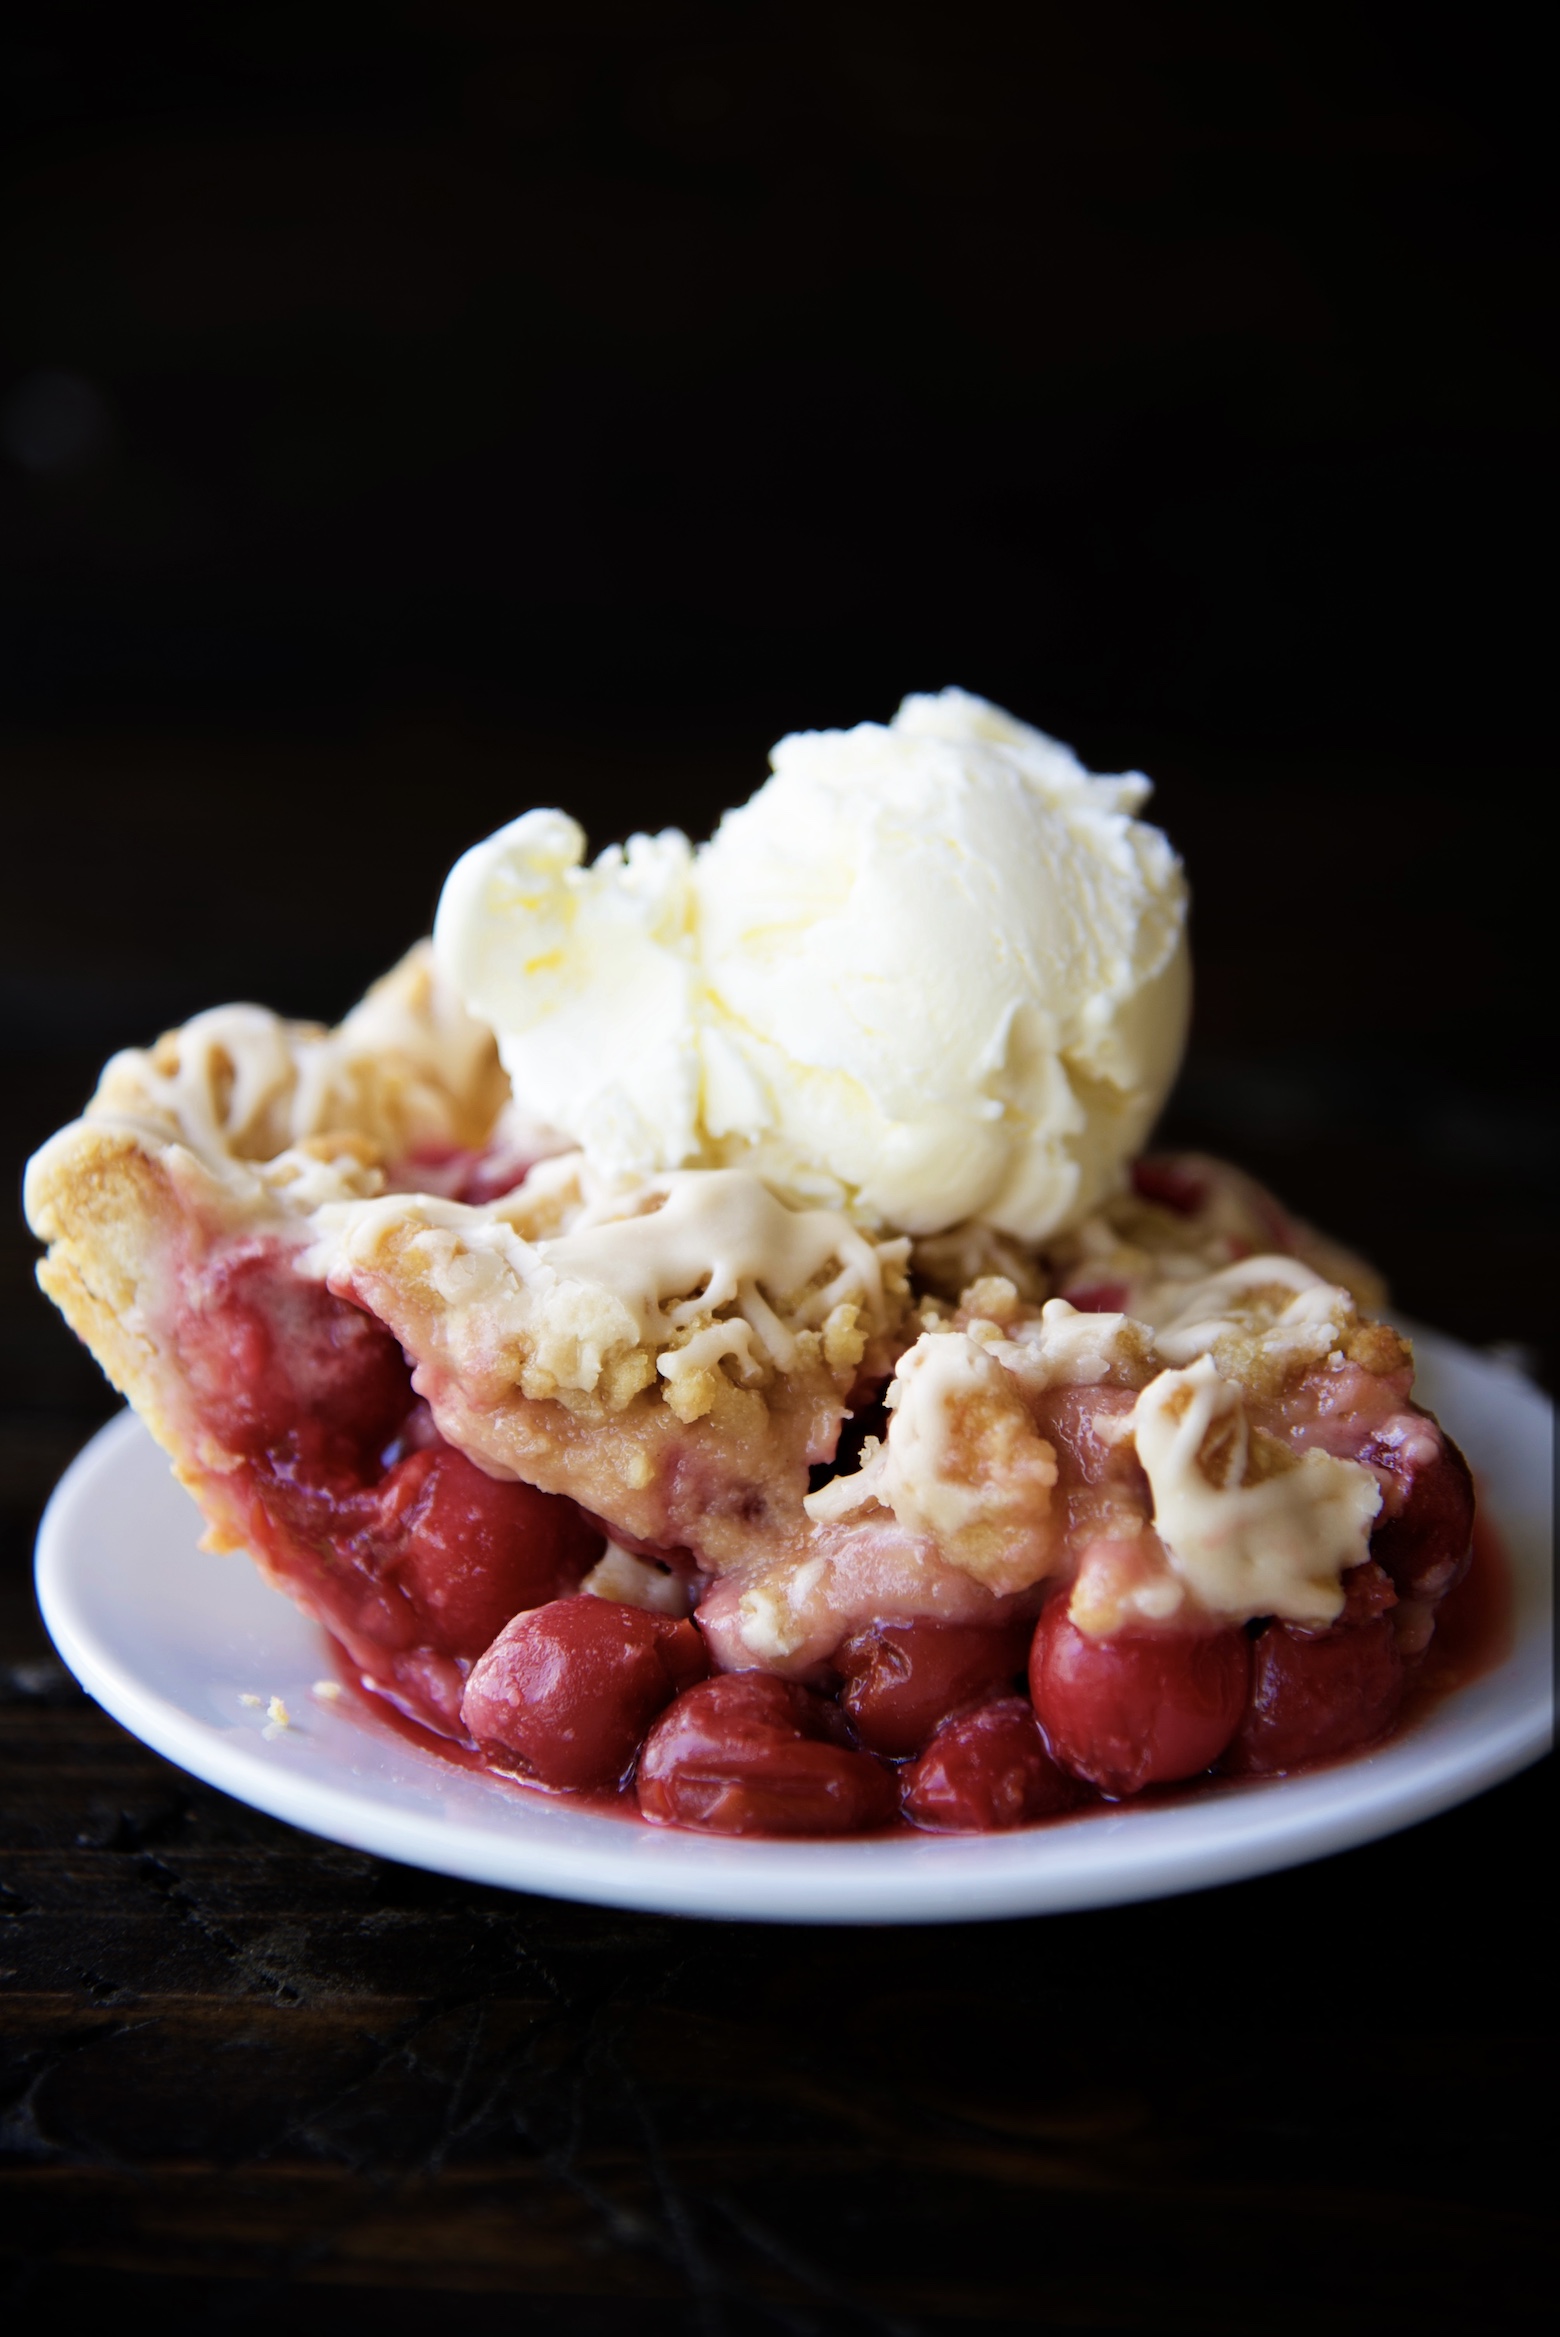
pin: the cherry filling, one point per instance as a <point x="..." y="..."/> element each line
<point x="456" y="1595"/>
<point x="408" y="1553"/>
<point x="902" y="1679"/>
<point x="1171" y="1184"/>
<point x="1424" y="1535"/>
<point x="750" y="1754"/>
<point x="281" y="1371"/>
<point x="567" y="1692"/>
<point x="461" y="1174"/>
<point x="1146" y="1708"/>
<point x="987" y="1770"/>
<point x="1320" y="1693"/>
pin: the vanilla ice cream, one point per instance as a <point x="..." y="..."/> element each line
<point x="934" y="969"/>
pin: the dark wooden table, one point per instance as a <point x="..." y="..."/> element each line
<point x="253" y="2080"/>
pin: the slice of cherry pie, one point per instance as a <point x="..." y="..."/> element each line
<point x="775" y="1520"/>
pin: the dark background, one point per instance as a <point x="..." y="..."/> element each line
<point x="410" y="414"/>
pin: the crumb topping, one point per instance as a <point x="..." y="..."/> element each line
<point x="303" y="1115"/>
<point x="963" y="1464"/>
<point x="690" y="1285"/>
<point x="1248" y="1526"/>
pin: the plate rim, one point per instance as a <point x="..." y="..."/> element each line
<point x="987" y="1877"/>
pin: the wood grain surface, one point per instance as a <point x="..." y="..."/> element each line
<point x="246" y="2072"/>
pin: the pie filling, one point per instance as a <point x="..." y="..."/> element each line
<point x="1004" y="1556"/>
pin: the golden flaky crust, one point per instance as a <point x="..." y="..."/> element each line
<point x="239" y="1124"/>
<point x="408" y="1069"/>
<point x="120" y="1222"/>
<point x="111" y="1215"/>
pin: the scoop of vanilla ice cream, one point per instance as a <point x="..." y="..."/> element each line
<point x="934" y="969"/>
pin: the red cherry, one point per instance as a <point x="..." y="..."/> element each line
<point x="985" y="1771"/>
<point x="274" y="1361"/>
<point x="1138" y="1709"/>
<point x="470" y="1550"/>
<point x="1424" y="1535"/>
<point x="747" y="1753"/>
<point x="903" y="1678"/>
<point x="1315" y="1694"/>
<point x="569" y="1689"/>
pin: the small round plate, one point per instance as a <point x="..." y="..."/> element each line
<point x="189" y="1650"/>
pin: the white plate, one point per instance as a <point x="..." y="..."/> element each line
<point x="178" y="1646"/>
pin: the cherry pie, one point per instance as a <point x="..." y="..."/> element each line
<point x="752" y="1514"/>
